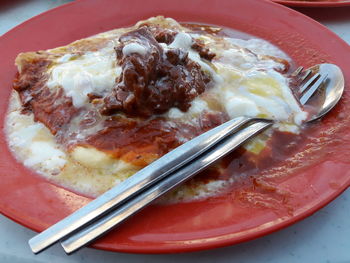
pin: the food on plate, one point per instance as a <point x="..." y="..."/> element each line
<point x="90" y="114"/>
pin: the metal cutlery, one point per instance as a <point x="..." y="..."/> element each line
<point x="172" y="169"/>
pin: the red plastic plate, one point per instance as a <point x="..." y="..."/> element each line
<point x="36" y="203"/>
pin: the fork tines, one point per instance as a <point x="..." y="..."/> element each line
<point x="310" y="87"/>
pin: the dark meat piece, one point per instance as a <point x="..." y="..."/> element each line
<point x="154" y="82"/>
<point x="162" y="35"/>
<point x="51" y="107"/>
<point x="204" y="52"/>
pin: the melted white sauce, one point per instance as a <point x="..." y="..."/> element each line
<point x="134" y="48"/>
<point x="46" y="155"/>
<point x="91" y="72"/>
<point x="37" y="151"/>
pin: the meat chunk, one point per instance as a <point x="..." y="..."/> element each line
<point x="153" y="79"/>
<point x="51" y="107"/>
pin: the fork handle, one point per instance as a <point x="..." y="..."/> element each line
<point x="106" y="223"/>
